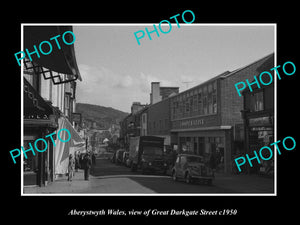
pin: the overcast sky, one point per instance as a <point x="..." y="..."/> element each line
<point x="116" y="71"/>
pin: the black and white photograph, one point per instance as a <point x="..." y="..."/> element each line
<point x="163" y="115"/>
<point x="166" y="114"/>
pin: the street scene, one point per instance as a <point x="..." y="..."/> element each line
<point x="161" y="117"/>
<point x="111" y="178"/>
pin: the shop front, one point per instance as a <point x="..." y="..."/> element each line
<point x="258" y="117"/>
<point x="260" y="133"/>
<point x="214" y="143"/>
<point x="40" y="119"/>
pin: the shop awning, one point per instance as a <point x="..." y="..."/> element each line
<point x="63" y="149"/>
<point x="59" y="60"/>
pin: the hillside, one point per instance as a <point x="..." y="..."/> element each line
<point x="103" y="116"/>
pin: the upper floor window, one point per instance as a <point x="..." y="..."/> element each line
<point x="256" y="101"/>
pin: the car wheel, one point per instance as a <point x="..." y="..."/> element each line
<point x="188" y="178"/>
<point x="174" y="177"/>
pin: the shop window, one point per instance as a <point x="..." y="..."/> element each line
<point x="30" y="163"/>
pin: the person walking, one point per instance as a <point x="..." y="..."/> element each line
<point x="77" y="164"/>
<point x="87" y="166"/>
<point x="71" y="166"/>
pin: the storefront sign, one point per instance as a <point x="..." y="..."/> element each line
<point x="266" y="120"/>
<point x="197" y="122"/>
<point x="189" y="123"/>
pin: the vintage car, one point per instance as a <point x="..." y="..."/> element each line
<point x="119" y="156"/>
<point x="192" y="168"/>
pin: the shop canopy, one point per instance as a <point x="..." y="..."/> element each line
<point x="64" y="149"/>
<point x="60" y="60"/>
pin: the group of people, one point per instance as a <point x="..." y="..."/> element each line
<point x="82" y="161"/>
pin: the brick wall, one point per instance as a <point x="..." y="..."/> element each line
<point x="231" y="102"/>
<point x="159" y="113"/>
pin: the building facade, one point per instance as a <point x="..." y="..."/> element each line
<point x="158" y="120"/>
<point x="49" y="87"/>
<point x="258" y="115"/>
<point x="206" y="120"/>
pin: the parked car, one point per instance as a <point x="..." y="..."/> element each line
<point x="125" y="157"/>
<point x="119" y="156"/>
<point x="192" y="168"/>
<point x="113" y="158"/>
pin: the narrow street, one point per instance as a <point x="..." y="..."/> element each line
<point x="110" y="178"/>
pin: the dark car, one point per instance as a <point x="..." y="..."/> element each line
<point x="191" y="168"/>
<point x="119" y="156"/>
<point x="125" y="157"/>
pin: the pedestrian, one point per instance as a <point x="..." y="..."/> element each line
<point x="77" y="164"/>
<point x="93" y="159"/>
<point x="71" y="166"/>
<point x="212" y="163"/>
<point x="87" y="166"/>
<point x="174" y="157"/>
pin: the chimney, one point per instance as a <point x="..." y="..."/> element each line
<point x="136" y="106"/>
<point x="155" y="93"/>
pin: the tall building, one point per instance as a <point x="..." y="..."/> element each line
<point x="49" y="86"/>
<point x="206" y="120"/>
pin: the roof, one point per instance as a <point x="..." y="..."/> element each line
<point x="268" y="57"/>
<point x="227" y="74"/>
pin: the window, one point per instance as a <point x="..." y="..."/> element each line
<point x="151" y="150"/>
<point x="200" y="102"/>
<point x="205" y="105"/>
<point x="256" y="101"/>
<point x="205" y="100"/>
<point x="210" y="99"/>
<point x="214" y="97"/>
<point x="195" y="104"/>
<point x="214" y="102"/>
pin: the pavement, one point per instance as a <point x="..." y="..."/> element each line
<point x="93" y="185"/>
<point x="109" y="178"/>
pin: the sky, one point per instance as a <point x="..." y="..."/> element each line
<point x="116" y="71"/>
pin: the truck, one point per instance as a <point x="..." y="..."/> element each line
<point x="146" y="154"/>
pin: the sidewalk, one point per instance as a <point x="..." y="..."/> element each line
<point x="94" y="185"/>
<point x="61" y="185"/>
